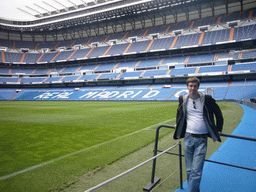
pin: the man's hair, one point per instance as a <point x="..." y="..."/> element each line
<point x="193" y="79"/>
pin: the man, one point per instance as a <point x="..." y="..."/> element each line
<point x="195" y="122"/>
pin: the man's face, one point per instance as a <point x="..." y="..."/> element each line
<point x="193" y="88"/>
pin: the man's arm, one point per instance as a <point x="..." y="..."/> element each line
<point x="218" y="114"/>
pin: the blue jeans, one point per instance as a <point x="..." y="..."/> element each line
<point x="194" y="151"/>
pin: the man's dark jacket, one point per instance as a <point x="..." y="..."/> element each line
<point x="210" y="109"/>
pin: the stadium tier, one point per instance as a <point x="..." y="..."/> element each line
<point x="207" y="31"/>
<point x="198" y="39"/>
<point x="174" y="66"/>
<point x="142" y="69"/>
<point x="221" y="91"/>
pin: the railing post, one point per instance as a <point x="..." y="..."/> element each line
<point x="155" y="180"/>
<point x="155" y="153"/>
<point x="180" y="160"/>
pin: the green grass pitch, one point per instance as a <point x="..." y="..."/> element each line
<point x="33" y="133"/>
<point x="53" y="143"/>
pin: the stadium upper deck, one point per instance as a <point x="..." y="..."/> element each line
<point x="114" y="16"/>
<point x="220" y="30"/>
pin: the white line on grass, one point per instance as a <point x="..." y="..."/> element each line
<point x="80" y="151"/>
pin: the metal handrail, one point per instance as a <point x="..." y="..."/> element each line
<point x="154" y="180"/>
<point x="238" y="137"/>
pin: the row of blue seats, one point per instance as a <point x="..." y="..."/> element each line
<point x="204" y="58"/>
<point x="137" y="64"/>
<point x="154" y="94"/>
<point x="120" y="35"/>
<point x="210" y="37"/>
<point x="223" y="69"/>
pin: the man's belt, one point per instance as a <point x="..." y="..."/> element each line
<point x="199" y="135"/>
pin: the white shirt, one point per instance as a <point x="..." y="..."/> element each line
<point x="195" y="120"/>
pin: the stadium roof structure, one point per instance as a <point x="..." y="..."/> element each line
<point x="110" y="16"/>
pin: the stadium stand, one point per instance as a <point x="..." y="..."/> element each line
<point x="115" y="60"/>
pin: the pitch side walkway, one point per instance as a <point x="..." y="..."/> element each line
<point x="217" y="177"/>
